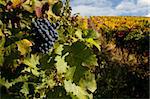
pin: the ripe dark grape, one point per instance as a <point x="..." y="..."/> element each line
<point x="44" y="35"/>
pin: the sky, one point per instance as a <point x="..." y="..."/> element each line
<point x="111" y="7"/>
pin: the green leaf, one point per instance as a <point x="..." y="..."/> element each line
<point x="26" y="70"/>
<point x="89" y="33"/>
<point x="88" y="81"/>
<point x="25" y="89"/>
<point x="2" y="42"/>
<point x="5" y="82"/>
<point x="11" y="55"/>
<point x="2" y="39"/>
<point x="61" y="65"/>
<point x="32" y="61"/>
<point x="70" y="73"/>
<point x="56" y="9"/>
<point x="79" y="55"/>
<point x="20" y="79"/>
<point x="1" y="56"/>
<point x="92" y="42"/>
<point x="35" y="72"/>
<point x="47" y="61"/>
<point x="50" y="81"/>
<point x="90" y="62"/>
<point x="62" y="38"/>
<point x="77" y="91"/>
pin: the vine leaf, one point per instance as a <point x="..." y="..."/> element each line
<point x="61" y="65"/>
<point x="56" y="9"/>
<point x="2" y="39"/>
<point x="77" y="91"/>
<point x="26" y="70"/>
<point x="32" y="62"/>
<point x="92" y="42"/>
<point x="80" y="56"/>
<point x="89" y="40"/>
<point x="91" y="61"/>
<point x="50" y="14"/>
<point x="16" y="2"/>
<point x="35" y="72"/>
<point x="51" y="83"/>
<point x="20" y="79"/>
<point x="89" y="33"/>
<point x="62" y="38"/>
<point x="78" y="33"/>
<point x="88" y="81"/>
<point x="23" y="46"/>
<point x="27" y="7"/>
<point x="48" y="80"/>
<point x="2" y="42"/>
<point x="70" y="73"/>
<point x="1" y="56"/>
<point x="25" y="89"/>
<point x="59" y="49"/>
<point x="5" y="82"/>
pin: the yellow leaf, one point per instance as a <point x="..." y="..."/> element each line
<point x="79" y="34"/>
<point x="59" y="49"/>
<point x="52" y="1"/>
<point x="88" y="82"/>
<point x="23" y="46"/>
<point x="28" y="8"/>
<point x="16" y="3"/>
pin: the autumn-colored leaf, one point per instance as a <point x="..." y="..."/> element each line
<point x="24" y="46"/>
<point x="16" y="3"/>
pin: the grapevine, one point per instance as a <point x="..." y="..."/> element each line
<point x="46" y="52"/>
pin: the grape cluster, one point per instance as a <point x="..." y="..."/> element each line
<point x="44" y="35"/>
